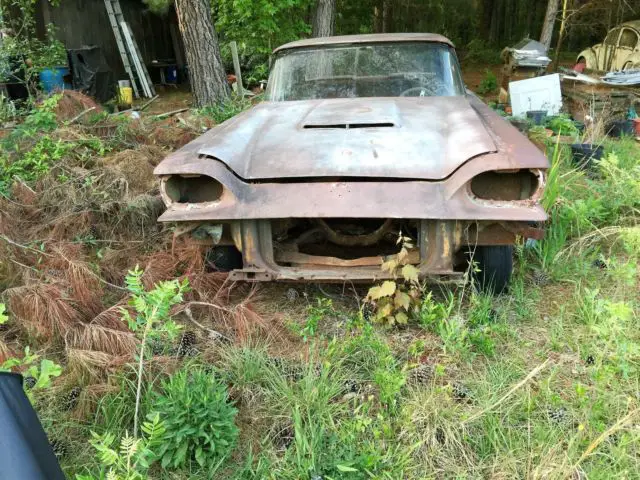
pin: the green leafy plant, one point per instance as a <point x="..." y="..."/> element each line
<point x="562" y="125"/>
<point x="43" y="372"/>
<point x="315" y="313"/>
<point x="489" y="83"/>
<point x="199" y="419"/>
<point x="132" y="457"/>
<point x="226" y="110"/>
<point x="395" y="302"/>
<point x="152" y="317"/>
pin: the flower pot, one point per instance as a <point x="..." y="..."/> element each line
<point x="52" y="79"/>
<point x="620" y="128"/>
<point x="537" y="116"/>
<point x="583" y="154"/>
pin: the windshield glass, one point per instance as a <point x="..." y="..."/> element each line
<point x="403" y="69"/>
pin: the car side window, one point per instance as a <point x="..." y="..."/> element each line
<point x="629" y="39"/>
<point x="612" y="37"/>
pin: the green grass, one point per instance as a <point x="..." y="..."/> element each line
<point x="543" y="382"/>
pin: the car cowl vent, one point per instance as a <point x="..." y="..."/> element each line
<point x="348" y="126"/>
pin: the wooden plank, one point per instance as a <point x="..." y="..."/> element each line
<point x="236" y="67"/>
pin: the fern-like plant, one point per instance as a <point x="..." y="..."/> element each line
<point x="199" y="419"/>
<point x="152" y="317"/>
<point x="132" y="457"/>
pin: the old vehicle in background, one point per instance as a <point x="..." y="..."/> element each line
<point x="619" y="51"/>
<point x="360" y="138"/>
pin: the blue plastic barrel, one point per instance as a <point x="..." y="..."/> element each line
<point x="52" y="79"/>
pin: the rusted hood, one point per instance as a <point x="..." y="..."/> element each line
<point x="418" y="138"/>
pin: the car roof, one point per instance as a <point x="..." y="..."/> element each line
<point x="368" y="38"/>
<point x="633" y="24"/>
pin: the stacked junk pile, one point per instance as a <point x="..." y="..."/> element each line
<point x="576" y="108"/>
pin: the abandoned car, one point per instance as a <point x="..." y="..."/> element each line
<point x="359" y="138"/>
<point x="619" y="51"/>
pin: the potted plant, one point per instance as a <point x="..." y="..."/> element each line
<point x="587" y="150"/>
<point x="50" y="61"/>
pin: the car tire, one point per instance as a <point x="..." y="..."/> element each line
<point x="224" y="258"/>
<point x="495" y="266"/>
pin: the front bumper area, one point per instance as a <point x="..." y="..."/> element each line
<point x="436" y="253"/>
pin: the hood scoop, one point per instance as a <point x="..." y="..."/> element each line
<point x="348" y="126"/>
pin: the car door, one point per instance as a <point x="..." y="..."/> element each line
<point x="607" y="50"/>
<point x="626" y="45"/>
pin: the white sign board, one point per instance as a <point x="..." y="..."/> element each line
<point x="541" y="93"/>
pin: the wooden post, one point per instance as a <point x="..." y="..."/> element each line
<point x="236" y="67"/>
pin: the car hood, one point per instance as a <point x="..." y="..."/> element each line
<point x="418" y="138"/>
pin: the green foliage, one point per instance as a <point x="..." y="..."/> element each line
<point x="199" y="419"/>
<point x="489" y="83"/>
<point x="43" y="372"/>
<point x="226" y="110"/>
<point x="315" y="313"/>
<point x="479" y="52"/>
<point x="562" y="125"/>
<point x="3" y="316"/>
<point x="132" y="457"/>
<point x="152" y="317"/>
<point x="258" y="27"/>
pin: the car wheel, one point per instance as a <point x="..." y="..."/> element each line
<point x="224" y="258"/>
<point x="495" y="265"/>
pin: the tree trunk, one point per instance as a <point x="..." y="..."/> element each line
<point x="386" y="16"/>
<point x="549" y="23"/>
<point x="206" y="73"/>
<point x="324" y="18"/>
<point x="563" y="26"/>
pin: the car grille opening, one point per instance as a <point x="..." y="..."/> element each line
<point x="192" y="189"/>
<point x="505" y="186"/>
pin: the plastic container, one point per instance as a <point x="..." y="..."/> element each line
<point x="620" y="128"/>
<point x="52" y="79"/>
<point x="537" y="116"/>
<point x="171" y="75"/>
<point x="636" y="126"/>
<point x="583" y="154"/>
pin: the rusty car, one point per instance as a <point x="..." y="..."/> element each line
<point x="360" y="138"/>
<point x="620" y="50"/>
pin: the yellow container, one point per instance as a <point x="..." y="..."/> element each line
<point x="125" y="96"/>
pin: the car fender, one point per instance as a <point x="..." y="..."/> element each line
<point x="633" y="59"/>
<point x="590" y="56"/>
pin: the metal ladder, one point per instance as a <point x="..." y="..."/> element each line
<point x="129" y="51"/>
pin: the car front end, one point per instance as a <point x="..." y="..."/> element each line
<point x="318" y="183"/>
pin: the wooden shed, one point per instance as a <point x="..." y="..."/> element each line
<point x="82" y="23"/>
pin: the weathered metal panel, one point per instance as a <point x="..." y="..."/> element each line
<point x="430" y="138"/>
<point x="366" y="38"/>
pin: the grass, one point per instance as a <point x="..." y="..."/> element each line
<point x="542" y="382"/>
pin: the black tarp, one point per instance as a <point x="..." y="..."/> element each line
<point x="91" y="73"/>
<point x="25" y="453"/>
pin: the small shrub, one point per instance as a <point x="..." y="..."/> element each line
<point x="199" y="419"/>
<point x="396" y="302"/>
<point x="226" y="110"/>
<point x="489" y="83"/>
<point x="132" y="457"/>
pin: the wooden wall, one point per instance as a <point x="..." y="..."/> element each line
<point x="85" y="22"/>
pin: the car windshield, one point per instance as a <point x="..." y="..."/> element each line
<point x="402" y="69"/>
